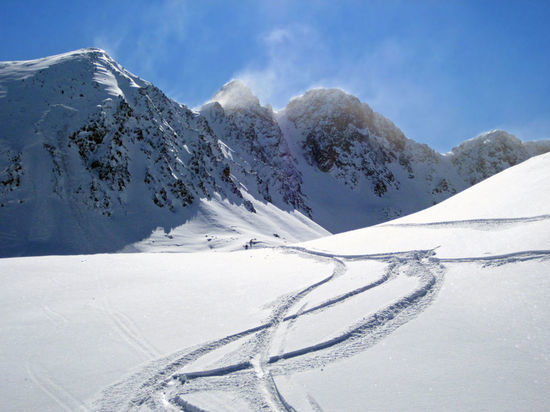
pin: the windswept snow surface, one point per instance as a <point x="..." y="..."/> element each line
<point x="222" y="226"/>
<point x="447" y="309"/>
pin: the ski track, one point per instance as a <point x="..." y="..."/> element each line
<point x="164" y="383"/>
<point x="56" y="318"/>
<point x="126" y="327"/>
<point x="62" y="398"/>
<point x="129" y="332"/>
<point x="472" y="222"/>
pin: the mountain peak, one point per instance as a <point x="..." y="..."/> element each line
<point x="497" y="135"/>
<point x="490" y="138"/>
<point x="325" y="101"/>
<point x="235" y="95"/>
<point x="341" y="109"/>
<point x="333" y="94"/>
<point x="89" y="52"/>
<point x="81" y="59"/>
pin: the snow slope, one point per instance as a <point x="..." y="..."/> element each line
<point x="445" y="309"/>
<point x="221" y="226"/>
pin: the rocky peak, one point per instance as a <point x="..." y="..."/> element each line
<point x="341" y="111"/>
<point x="487" y="154"/>
<point x="492" y="138"/>
<point x="256" y="145"/>
<point x="235" y="95"/>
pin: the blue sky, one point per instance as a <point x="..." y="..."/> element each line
<point x="442" y="70"/>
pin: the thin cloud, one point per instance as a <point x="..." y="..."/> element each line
<point x="387" y="77"/>
<point x="296" y="60"/>
<point x="291" y="64"/>
<point x="537" y="129"/>
<point x="146" y="38"/>
<point x="109" y="44"/>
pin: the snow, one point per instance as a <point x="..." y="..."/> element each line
<point x="325" y="325"/>
<point x="482" y="345"/>
<point x="234" y="95"/>
<point x="494" y="198"/>
<point x="490" y="218"/>
<point x="72" y="325"/>
<point x="220" y="226"/>
<point x="444" y="309"/>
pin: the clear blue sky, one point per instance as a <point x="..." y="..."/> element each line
<point x="442" y="70"/>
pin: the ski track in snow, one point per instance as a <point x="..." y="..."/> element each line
<point x="62" y="398"/>
<point x="125" y="326"/>
<point x="56" y="318"/>
<point x="249" y="370"/>
<point x="472" y="222"/>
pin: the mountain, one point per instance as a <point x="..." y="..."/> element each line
<point x="95" y="159"/>
<point x="359" y="169"/>
<point x="446" y="309"/>
<point x="487" y="154"/>
<point x="259" y="150"/>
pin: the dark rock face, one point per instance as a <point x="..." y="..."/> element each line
<point x="261" y="155"/>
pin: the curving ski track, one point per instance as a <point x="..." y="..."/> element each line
<point x="249" y="370"/>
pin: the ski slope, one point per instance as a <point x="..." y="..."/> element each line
<point x="444" y="309"/>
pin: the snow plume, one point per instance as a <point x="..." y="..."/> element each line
<point x="385" y="74"/>
<point x="235" y="94"/>
<point x="294" y="57"/>
<point x="150" y="35"/>
<point x="298" y="58"/>
<point x="382" y="76"/>
<point x="389" y="77"/>
<point x="111" y="45"/>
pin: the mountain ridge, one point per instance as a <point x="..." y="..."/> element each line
<point x="93" y="158"/>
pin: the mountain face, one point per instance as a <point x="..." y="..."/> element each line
<point x="94" y="159"/>
<point x="359" y="169"/>
<point x="256" y="145"/>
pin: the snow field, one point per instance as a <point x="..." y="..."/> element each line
<point x="446" y="310"/>
<point x="82" y="322"/>
<point x="482" y="345"/>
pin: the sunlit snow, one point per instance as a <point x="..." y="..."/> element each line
<point x="446" y="309"/>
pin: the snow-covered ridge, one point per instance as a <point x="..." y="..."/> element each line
<point x="93" y="158"/>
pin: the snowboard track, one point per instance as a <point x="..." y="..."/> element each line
<point x="167" y="381"/>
